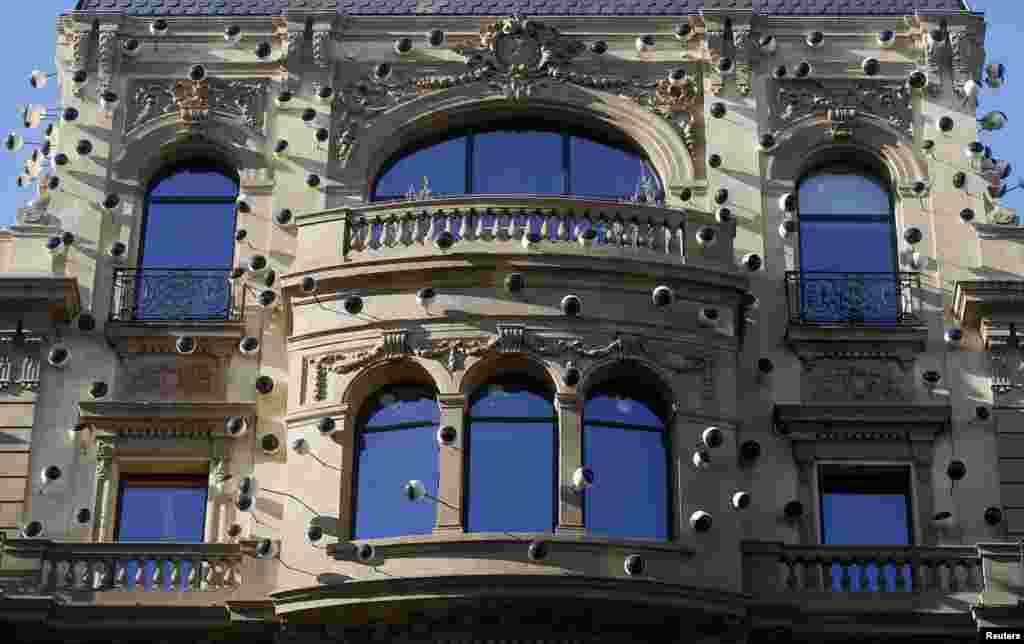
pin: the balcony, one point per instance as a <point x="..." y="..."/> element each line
<point x="134" y="568"/>
<point x="161" y="295"/>
<point x="509" y="225"/>
<point x="852" y="299"/>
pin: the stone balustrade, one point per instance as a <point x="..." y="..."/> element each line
<point x="774" y="568"/>
<point x="146" y="567"/>
<point x="513" y="224"/>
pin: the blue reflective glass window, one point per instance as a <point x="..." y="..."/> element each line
<point x="849" y="494"/>
<point x="196" y="181"/>
<point x="847" y="193"/>
<point x="395" y="443"/>
<point x="195" y="235"/>
<point x="624" y="441"/>
<point x="602" y="170"/>
<point x="161" y="509"/>
<point x="511" y="426"/>
<point x="518" y="163"/>
<point x="444" y="164"/>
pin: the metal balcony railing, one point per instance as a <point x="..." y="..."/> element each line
<point x="176" y="294"/>
<point x="773" y="569"/>
<point x="866" y="299"/>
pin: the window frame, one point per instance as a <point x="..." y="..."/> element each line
<point x="170" y="170"/>
<point x="666" y="438"/>
<point x="357" y="434"/>
<point x="521" y="378"/>
<point x="182" y="480"/>
<point x="913" y="507"/>
<point x="527" y="124"/>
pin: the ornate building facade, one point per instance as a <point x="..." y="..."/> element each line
<point x="357" y="321"/>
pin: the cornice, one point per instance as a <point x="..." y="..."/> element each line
<point x="974" y="299"/>
<point x="218" y="339"/>
<point x="860" y="422"/>
<point x="812" y="343"/>
<point x="999" y="231"/>
<point x="40" y="293"/>
<point x="192" y="419"/>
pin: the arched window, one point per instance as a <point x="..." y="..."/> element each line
<point x="512" y="443"/>
<point x="848" y="260"/>
<point x="523" y="157"/>
<point x="187" y="244"/>
<point x="626" y="443"/>
<point x="395" y="443"/>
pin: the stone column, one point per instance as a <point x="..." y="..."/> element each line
<point x="103" y="526"/>
<point x="452" y="464"/>
<point x="570" y="456"/>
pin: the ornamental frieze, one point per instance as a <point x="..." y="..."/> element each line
<point x="859" y="380"/>
<point x="798" y="99"/>
<point x="510" y="339"/>
<point x="196" y="101"/>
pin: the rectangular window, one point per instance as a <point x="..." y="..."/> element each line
<point x="161" y="508"/>
<point x="866" y="505"/>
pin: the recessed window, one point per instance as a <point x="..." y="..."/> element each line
<point x="524" y="157"/>
<point x="848" y="260"/>
<point x="626" y="444"/>
<point x="395" y="444"/>
<point x="156" y="508"/>
<point x="866" y="505"/>
<point x="187" y="244"/>
<point x="512" y="444"/>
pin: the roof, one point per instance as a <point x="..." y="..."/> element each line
<point x="531" y="7"/>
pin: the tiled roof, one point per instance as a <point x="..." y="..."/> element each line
<point x="501" y="7"/>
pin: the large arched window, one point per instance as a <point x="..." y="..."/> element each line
<point x="512" y="453"/>
<point x="626" y="443"/>
<point x="848" y="260"/>
<point x="523" y="157"/>
<point x="187" y="244"/>
<point x="395" y="443"/>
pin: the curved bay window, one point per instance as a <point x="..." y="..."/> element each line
<point x="848" y="258"/>
<point x="187" y="247"/>
<point x="626" y="443"/>
<point x="512" y="446"/>
<point x="535" y="157"/>
<point x="395" y="443"/>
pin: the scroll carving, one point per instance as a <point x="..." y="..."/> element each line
<point x="798" y="99"/>
<point x="196" y="101"/>
<point x="967" y="47"/>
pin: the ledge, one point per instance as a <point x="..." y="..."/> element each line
<point x="846" y="342"/>
<point x="412" y="546"/>
<point x="846" y="422"/>
<point x="29" y="293"/>
<point x="976" y="299"/>
<point x="163" y="419"/>
<point x="217" y="339"/>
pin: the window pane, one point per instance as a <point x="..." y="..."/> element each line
<point x="509" y="398"/>
<point x="500" y="497"/>
<point x="162" y="514"/>
<point x="629" y="498"/>
<point x="618" y="408"/>
<point x="443" y="164"/>
<point x="862" y="247"/>
<point x="386" y="461"/>
<point x="518" y="163"/>
<point x="604" y="171"/>
<point x="843" y="194"/>
<point x="189" y="235"/>
<point x="403" y="404"/>
<point x="195" y="182"/>
<point x="844" y="521"/>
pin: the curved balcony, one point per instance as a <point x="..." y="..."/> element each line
<point x="509" y="224"/>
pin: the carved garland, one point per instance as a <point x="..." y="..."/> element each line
<point x="798" y="99"/>
<point x="195" y="101"/>
<point x="514" y="57"/>
<point x="510" y="339"/>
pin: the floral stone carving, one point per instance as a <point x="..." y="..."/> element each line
<point x="845" y="381"/>
<point x="196" y="101"/>
<point x="798" y="99"/>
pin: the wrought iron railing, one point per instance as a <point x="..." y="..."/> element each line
<point x="866" y="299"/>
<point x="172" y="294"/>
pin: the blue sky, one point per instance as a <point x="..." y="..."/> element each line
<point x="32" y="46"/>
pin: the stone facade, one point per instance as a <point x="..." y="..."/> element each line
<point x="806" y="394"/>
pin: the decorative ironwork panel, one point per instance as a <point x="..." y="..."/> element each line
<point x="155" y="294"/>
<point x="851" y="298"/>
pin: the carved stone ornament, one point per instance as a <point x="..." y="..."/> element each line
<point x="967" y="47"/>
<point x="104" y="457"/>
<point x="858" y="380"/>
<point x="934" y="54"/>
<point x="108" y="50"/>
<point x="322" y="48"/>
<point x="799" y="99"/>
<point x="510" y="339"/>
<point x="76" y="37"/>
<point x="741" y="54"/>
<point x="716" y="46"/>
<point x="196" y="101"/>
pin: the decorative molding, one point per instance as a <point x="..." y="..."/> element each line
<point x="196" y="101"/>
<point x="992" y="298"/>
<point x="108" y="51"/>
<point x="884" y="380"/>
<point x="104" y="457"/>
<point x="76" y="36"/>
<point x="742" y="45"/>
<point x="796" y="99"/>
<point x="322" y="46"/>
<point x="290" y="35"/>
<point x="967" y="46"/>
<point x="856" y="422"/>
<point x="162" y="420"/>
<point x="131" y="339"/>
<point x="848" y="344"/>
<point x="715" y="45"/>
<point x="57" y="296"/>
